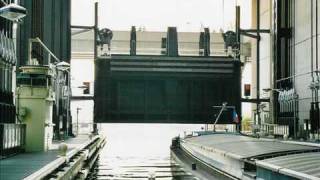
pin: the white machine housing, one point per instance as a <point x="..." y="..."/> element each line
<point x="35" y="98"/>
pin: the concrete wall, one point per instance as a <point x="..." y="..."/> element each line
<point x="302" y="46"/>
<point x="301" y="51"/>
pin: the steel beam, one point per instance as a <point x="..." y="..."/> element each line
<point x="82" y="27"/>
<point x="254" y="100"/>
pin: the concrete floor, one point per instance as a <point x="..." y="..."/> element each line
<point x="22" y="165"/>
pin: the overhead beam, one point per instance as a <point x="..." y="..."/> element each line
<point x="254" y="100"/>
<point x="250" y="35"/>
<point x="82" y="98"/>
<point x="82" y="27"/>
<point x="255" y="30"/>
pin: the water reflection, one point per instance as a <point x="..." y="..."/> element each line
<point x="140" y="151"/>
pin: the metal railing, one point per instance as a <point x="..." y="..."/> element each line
<point x="275" y="129"/>
<point x="231" y="128"/>
<point x="83" y="128"/>
<point x="12" y="138"/>
<point x="50" y="54"/>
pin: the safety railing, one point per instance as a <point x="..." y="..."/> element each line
<point x="162" y="51"/>
<point x="12" y="138"/>
<point x="281" y="130"/>
<point x="231" y="128"/>
<point x="30" y="48"/>
<point x="275" y="129"/>
<point x="84" y="128"/>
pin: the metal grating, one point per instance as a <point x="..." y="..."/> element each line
<point x="305" y="163"/>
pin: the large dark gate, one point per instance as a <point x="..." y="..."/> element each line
<point x="162" y="89"/>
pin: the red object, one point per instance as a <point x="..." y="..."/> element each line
<point x="247" y="90"/>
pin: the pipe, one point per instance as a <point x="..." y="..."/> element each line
<point x="314" y="111"/>
<point x="238" y="10"/>
<point x="293" y="71"/>
<point x="317" y="73"/>
<point x="312" y="70"/>
<point x="317" y="53"/>
<point x="95" y="128"/>
<point x="258" y="61"/>
<point x="312" y="77"/>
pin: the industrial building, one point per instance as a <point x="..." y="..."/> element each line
<point x="288" y="64"/>
<point x="141" y="76"/>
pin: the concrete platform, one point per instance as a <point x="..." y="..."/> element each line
<point x="30" y="165"/>
<point x="23" y="165"/>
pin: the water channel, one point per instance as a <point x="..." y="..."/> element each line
<point x="140" y="151"/>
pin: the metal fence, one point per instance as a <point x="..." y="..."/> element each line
<point x="275" y="129"/>
<point x="12" y="138"/>
<point x="84" y="128"/>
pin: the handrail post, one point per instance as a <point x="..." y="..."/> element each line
<point x="49" y="59"/>
<point x="29" y="51"/>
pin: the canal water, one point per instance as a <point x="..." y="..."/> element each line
<point x="140" y="151"/>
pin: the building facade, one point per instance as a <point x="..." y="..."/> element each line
<point x="289" y="64"/>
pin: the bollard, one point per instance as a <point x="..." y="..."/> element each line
<point x="63" y="148"/>
<point x="194" y="166"/>
<point x="152" y="175"/>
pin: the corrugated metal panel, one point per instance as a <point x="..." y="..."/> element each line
<point x="305" y="163"/>
<point x="245" y="147"/>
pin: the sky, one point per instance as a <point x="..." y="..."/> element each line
<point x="157" y="15"/>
